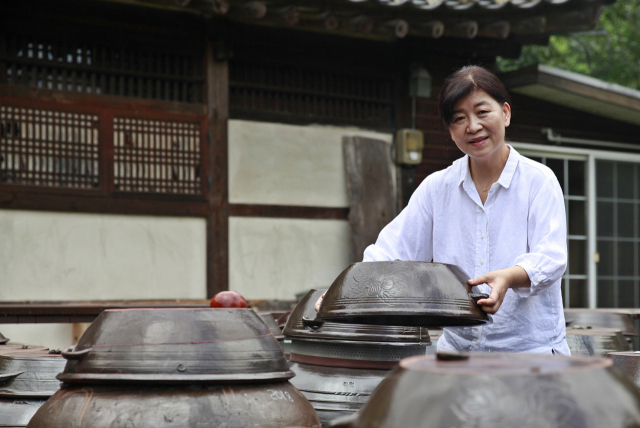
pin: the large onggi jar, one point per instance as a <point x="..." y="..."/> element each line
<point x="176" y="368"/>
<point x="501" y="390"/>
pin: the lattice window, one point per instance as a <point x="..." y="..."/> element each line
<point x="311" y="93"/>
<point x="157" y="156"/>
<point x="44" y="147"/>
<point x="100" y="69"/>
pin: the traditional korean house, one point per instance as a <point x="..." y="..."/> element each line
<point x="170" y="149"/>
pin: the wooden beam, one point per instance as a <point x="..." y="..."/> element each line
<point x="399" y="27"/>
<point x="497" y="30"/>
<point x="87" y="311"/>
<point x="433" y="29"/>
<point x="101" y="101"/>
<point x="65" y="312"/>
<point x="256" y="9"/>
<point x="42" y="199"/>
<point x="287" y="211"/>
<point x="528" y="26"/>
<point x="217" y="100"/>
<point x="462" y="30"/>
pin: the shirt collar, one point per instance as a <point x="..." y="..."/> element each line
<point x="509" y="168"/>
<point x="465" y="173"/>
<point x="505" y="177"/>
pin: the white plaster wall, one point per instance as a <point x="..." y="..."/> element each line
<point x="277" y="258"/>
<point x="65" y="256"/>
<point x="277" y="164"/>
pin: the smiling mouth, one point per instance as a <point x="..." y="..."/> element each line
<point x="478" y="141"/>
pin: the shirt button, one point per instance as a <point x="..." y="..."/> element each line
<point x="477" y="342"/>
<point x="482" y="262"/>
<point x="482" y="236"/>
<point x="535" y="279"/>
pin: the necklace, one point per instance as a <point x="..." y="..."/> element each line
<point x="484" y="188"/>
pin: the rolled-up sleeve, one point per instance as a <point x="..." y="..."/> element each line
<point x="409" y="235"/>
<point x="546" y="259"/>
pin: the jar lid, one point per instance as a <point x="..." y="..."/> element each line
<point x="402" y="294"/>
<point x="29" y="372"/>
<point x="181" y="345"/>
<point x="304" y="323"/>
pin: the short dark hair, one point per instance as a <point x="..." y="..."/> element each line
<point x="463" y="82"/>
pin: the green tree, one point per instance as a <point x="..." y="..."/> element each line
<point x="610" y="52"/>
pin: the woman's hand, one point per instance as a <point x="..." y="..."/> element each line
<point x="319" y="301"/>
<point x="500" y="281"/>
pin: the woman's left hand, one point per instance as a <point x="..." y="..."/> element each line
<point x="500" y="281"/>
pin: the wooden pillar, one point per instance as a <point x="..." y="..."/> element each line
<point x="217" y="100"/>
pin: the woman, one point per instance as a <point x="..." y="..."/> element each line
<point x="497" y="215"/>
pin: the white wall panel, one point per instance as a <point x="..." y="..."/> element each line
<point x="277" y="258"/>
<point x="65" y="256"/>
<point x="276" y="164"/>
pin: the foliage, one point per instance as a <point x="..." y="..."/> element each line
<point x="611" y="52"/>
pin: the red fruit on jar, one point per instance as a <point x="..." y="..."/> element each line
<point x="228" y="299"/>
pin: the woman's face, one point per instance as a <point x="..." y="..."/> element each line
<point x="478" y="124"/>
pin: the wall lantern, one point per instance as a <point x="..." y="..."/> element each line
<point x="420" y="83"/>
<point x="409" y="145"/>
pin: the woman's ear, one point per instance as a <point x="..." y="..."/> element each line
<point x="506" y="110"/>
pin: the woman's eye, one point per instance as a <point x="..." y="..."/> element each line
<point x="458" y="119"/>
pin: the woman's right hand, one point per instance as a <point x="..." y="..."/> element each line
<point x="319" y="301"/>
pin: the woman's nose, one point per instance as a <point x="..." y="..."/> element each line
<point x="474" y="125"/>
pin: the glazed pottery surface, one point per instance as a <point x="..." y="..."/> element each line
<point x="596" y="342"/>
<point x="629" y="363"/>
<point x="270" y="322"/>
<point x="27" y="379"/>
<point x="354" y="354"/>
<point x="176" y="345"/>
<point x="338" y="365"/>
<point x="303" y="323"/>
<point x="349" y="345"/>
<point x="12" y="347"/>
<point x="402" y="293"/>
<point x="334" y="391"/>
<point x="29" y="372"/>
<point x="16" y="413"/>
<point x="495" y="390"/>
<point x="265" y="405"/>
<point x="599" y="319"/>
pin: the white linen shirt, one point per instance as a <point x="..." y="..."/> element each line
<point x="521" y="223"/>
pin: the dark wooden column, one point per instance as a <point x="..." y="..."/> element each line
<point x="217" y="100"/>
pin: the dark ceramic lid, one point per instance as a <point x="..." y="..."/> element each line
<point x="303" y="323"/>
<point x="502" y="364"/>
<point x="595" y="342"/>
<point x="627" y="354"/>
<point x="594" y="331"/>
<point x="501" y="390"/>
<point x="17" y="412"/>
<point x="599" y="319"/>
<point x="29" y="372"/>
<point x="15" y="347"/>
<point x="402" y="294"/>
<point x="3" y="339"/>
<point x="270" y="322"/>
<point x="629" y="363"/>
<point x="176" y="345"/>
